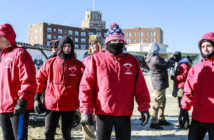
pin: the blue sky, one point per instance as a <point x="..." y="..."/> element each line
<point x="183" y="21"/>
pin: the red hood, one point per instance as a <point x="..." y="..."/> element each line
<point x="6" y="30"/>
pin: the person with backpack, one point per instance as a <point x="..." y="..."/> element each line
<point x="181" y="71"/>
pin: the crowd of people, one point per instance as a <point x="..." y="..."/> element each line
<point x="104" y="87"/>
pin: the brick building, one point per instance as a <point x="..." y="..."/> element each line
<point x="42" y="33"/>
<point x="143" y="35"/>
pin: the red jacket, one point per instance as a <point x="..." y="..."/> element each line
<point x="181" y="74"/>
<point x="199" y="91"/>
<point x="17" y="74"/>
<point x="110" y="84"/>
<point x="61" y="80"/>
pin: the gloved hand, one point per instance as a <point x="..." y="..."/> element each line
<point x="183" y="119"/>
<point x="38" y="106"/>
<point x="145" y="117"/>
<point x="177" y="56"/>
<point x="172" y="77"/>
<point x="20" y="107"/>
<point x="87" y="119"/>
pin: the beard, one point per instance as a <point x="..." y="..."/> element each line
<point x="207" y="55"/>
<point x="115" y="48"/>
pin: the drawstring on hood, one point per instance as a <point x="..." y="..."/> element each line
<point x="66" y="39"/>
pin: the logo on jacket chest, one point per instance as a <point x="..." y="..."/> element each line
<point x="8" y="62"/>
<point x="128" y="67"/>
<point x="72" y="71"/>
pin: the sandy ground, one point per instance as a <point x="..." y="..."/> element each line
<point x="36" y="130"/>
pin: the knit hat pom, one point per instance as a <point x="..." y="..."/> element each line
<point x="114" y="25"/>
<point x="114" y="32"/>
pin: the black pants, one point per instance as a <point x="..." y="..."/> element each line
<point x="198" y="130"/>
<point x="51" y="122"/>
<point x="183" y="117"/>
<point x="14" y="127"/>
<point x="105" y="123"/>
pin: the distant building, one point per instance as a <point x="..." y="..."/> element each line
<point x="137" y="39"/>
<point x="43" y="33"/>
<point x="93" y="20"/>
<point x="143" y="35"/>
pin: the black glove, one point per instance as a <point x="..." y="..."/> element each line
<point x="87" y="119"/>
<point x="145" y="117"/>
<point x="38" y="106"/>
<point x="183" y="119"/>
<point x="177" y="56"/>
<point x="172" y="77"/>
<point x="20" y="107"/>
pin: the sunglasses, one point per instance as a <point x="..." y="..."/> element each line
<point x="54" y="47"/>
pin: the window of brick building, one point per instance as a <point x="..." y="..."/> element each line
<point x="90" y="33"/>
<point x="60" y="31"/>
<point x="83" y="40"/>
<point x="152" y="33"/>
<point x="140" y="33"/>
<point x="153" y="40"/>
<point x="76" y="46"/>
<point x="76" y="33"/>
<point x="49" y="29"/>
<point x="83" y="47"/>
<point x="128" y="34"/>
<point x="83" y="34"/>
<point x="98" y="33"/>
<point x="59" y="37"/>
<point x="76" y="39"/>
<point x="70" y="32"/>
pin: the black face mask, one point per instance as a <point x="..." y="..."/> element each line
<point x="115" y="48"/>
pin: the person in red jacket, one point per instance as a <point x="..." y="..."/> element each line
<point x="182" y="68"/>
<point x="17" y="85"/>
<point x="96" y="45"/>
<point x="59" y="77"/>
<point x="199" y="89"/>
<point x="111" y="81"/>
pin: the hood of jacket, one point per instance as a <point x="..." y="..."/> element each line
<point x="184" y="60"/>
<point x="7" y="31"/>
<point x="207" y="37"/>
<point x="154" y="48"/>
<point x="66" y="39"/>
